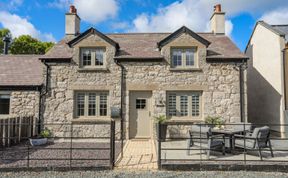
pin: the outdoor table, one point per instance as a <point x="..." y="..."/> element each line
<point x="228" y="133"/>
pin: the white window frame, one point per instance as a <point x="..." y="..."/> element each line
<point x="93" y="56"/>
<point x="183" y="57"/>
<point x="10" y="101"/>
<point x="178" y="104"/>
<point x="86" y="104"/>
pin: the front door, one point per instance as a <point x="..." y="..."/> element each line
<point x="139" y="117"/>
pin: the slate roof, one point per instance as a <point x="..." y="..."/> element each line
<point x="283" y="29"/>
<point x="20" y="70"/>
<point x="60" y="50"/>
<point x="144" y="45"/>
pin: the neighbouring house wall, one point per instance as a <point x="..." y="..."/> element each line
<point x="23" y="103"/>
<point x="218" y="82"/>
<point x="265" y="76"/>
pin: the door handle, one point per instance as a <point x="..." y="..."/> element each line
<point x="149" y="113"/>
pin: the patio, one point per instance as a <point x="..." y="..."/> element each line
<point x="179" y="154"/>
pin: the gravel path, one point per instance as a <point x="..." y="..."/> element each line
<point x="16" y="156"/>
<point x="162" y="174"/>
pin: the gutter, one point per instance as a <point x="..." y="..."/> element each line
<point x="122" y="102"/>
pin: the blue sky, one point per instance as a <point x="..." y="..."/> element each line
<point x="45" y="19"/>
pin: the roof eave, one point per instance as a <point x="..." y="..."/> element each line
<point x="90" y="31"/>
<point x="180" y="31"/>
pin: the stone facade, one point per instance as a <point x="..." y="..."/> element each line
<point x="24" y="103"/>
<point x="218" y="83"/>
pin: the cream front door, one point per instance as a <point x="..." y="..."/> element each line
<point x="139" y="114"/>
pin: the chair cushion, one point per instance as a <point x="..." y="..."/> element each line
<point x="249" y="143"/>
<point x="241" y="126"/>
<point x="214" y="143"/>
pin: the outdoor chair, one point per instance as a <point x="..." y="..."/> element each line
<point x="242" y="127"/>
<point x="201" y="136"/>
<point x="258" y="139"/>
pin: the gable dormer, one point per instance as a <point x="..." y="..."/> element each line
<point x="93" y="50"/>
<point x="184" y="49"/>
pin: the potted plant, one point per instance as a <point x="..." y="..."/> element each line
<point x="161" y="120"/>
<point x="42" y="138"/>
<point x="214" y="122"/>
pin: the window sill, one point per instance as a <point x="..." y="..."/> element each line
<point x="91" y="120"/>
<point x="186" y="69"/>
<point x="92" y="69"/>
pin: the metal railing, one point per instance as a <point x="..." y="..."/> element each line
<point x="180" y="148"/>
<point x="72" y="146"/>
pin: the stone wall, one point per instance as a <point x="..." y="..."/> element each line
<point x="218" y="83"/>
<point x="24" y="103"/>
<point x="66" y="79"/>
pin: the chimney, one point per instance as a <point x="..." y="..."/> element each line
<point x="6" y="40"/>
<point x="217" y="21"/>
<point x="72" y="24"/>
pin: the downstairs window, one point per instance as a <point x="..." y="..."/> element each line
<point x="184" y="104"/>
<point x="91" y="104"/>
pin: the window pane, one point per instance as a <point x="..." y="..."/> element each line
<point x="4" y="104"/>
<point x="190" y="57"/>
<point x="103" y="104"/>
<point x="92" y="104"/>
<point x="99" y="57"/>
<point x="184" y="105"/>
<point x="80" y="104"/>
<point x="172" y="105"/>
<point x="86" y="57"/>
<point x="176" y="57"/>
<point x="140" y="103"/>
<point x="195" y="104"/>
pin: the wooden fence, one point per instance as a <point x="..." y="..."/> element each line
<point x="14" y="129"/>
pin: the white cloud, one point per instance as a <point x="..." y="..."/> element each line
<point x="228" y="27"/>
<point x="276" y="17"/>
<point x="196" y="14"/>
<point x="95" y="11"/>
<point x="21" y="26"/>
<point x="91" y="11"/>
<point x="174" y="16"/>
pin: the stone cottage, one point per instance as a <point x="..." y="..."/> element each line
<point x="133" y="77"/>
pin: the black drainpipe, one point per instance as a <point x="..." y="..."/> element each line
<point x="242" y="98"/>
<point x="121" y="102"/>
<point x="42" y="94"/>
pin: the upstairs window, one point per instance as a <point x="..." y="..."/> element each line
<point x="4" y="104"/>
<point x="184" y="104"/>
<point x="92" y="57"/>
<point x="184" y="57"/>
<point x="91" y="104"/>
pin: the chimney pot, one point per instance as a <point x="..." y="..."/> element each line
<point x="217" y="8"/>
<point x="73" y="10"/>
